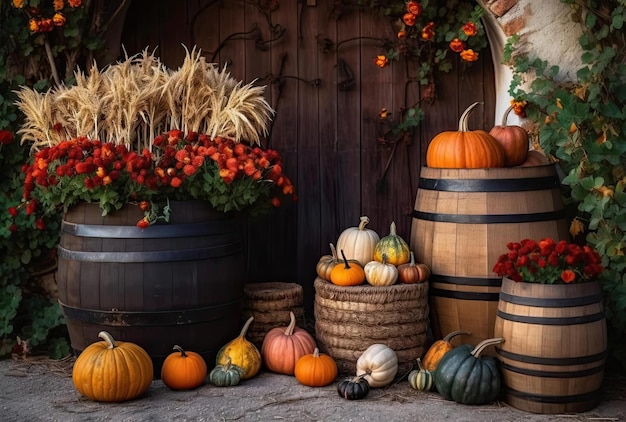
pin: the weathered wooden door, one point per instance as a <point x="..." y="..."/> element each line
<point x="321" y="79"/>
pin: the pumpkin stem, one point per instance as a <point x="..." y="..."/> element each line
<point x="363" y="223"/>
<point x="465" y="117"/>
<point x="244" y="330"/>
<point x="180" y="349"/>
<point x="412" y="263"/>
<point x="392" y="228"/>
<point x="333" y="251"/>
<point x="292" y="324"/>
<point x="454" y="334"/>
<point x="485" y="343"/>
<point x="316" y="353"/>
<point x="345" y="260"/>
<point x="108" y="338"/>
<point x="419" y="364"/>
<point x="506" y="116"/>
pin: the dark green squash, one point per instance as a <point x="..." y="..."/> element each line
<point x="353" y="388"/>
<point x="466" y="377"/>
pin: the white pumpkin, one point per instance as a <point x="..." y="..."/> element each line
<point x="358" y="242"/>
<point x="378" y="364"/>
<point x="380" y="273"/>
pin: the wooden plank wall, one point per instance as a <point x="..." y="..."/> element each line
<point x="326" y="133"/>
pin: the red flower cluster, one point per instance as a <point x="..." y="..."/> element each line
<point x="232" y="176"/>
<point x="549" y="262"/>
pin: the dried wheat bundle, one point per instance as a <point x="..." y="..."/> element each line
<point x="133" y="100"/>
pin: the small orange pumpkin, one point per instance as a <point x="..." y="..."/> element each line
<point x="411" y="272"/>
<point x="283" y="346"/>
<point x="514" y="141"/>
<point x="316" y="369"/>
<point x="535" y="158"/>
<point x="438" y="350"/>
<point x="347" y="274"/>
<point x="464" y="148"/>
<point x="183" y="370"/>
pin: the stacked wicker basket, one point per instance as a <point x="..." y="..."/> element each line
<point x="350" y="319"/>
<point x="270" y="304"/>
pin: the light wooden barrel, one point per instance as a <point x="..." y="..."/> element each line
<point x="555" y="345"/>
<point x="462" y="221"/>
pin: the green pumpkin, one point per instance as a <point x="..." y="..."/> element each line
<point x="421" y="379"/>
<point x="394" y="246"/>
<point x="226" y="375"/>
<point x="466" y="377"/>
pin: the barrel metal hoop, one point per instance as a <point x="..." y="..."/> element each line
<point x="551" y="302"/>
<point x="453" y="294"/>
<point x="489" y="218"/>
<point x="583" y="319"/>
<point x="537" y="360"/>
<point x="151" y="256"/>
<point x="466" y="281"/>
<point x="553" y="374"/>
<point x="540" y="398"/>
<point x="173" y="317"/>
<point x="151" y="232"/>
<point x="490" y="185"/>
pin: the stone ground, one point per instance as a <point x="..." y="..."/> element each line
<point x="42" y="390"/>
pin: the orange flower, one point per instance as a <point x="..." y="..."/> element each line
<point x="18" y="3"/>
<point x="402" y="34"/>
<point x="457" y="45"/>
<point x="408" y="19"/>
<point x="75" y="3"/>
<point x="58" y="5"/>
<point x="414" y="8"/>
<point x="519" y="108"/>
<point x="33" y="25"/>
<point x="46" y="25"/>
<point x="381" y="61"/>
<point x="58" y="19"/>
<point x="428" y="32"/>
<point x="568" y="276"/>
<point x="469" y="55"/>
<point x="470" y="29"/>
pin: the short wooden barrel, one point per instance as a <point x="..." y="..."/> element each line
<point x="462" y="221"/>
<point x="179" y="283"/>
<point x="555" y="345"/>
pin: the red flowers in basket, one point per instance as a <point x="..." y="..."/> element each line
<point x="549" y="262"/>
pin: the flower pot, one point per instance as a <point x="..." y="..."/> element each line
<point x="463" y="219"/>
<point x="554" y="346"/>
<point x="176" y="283"/>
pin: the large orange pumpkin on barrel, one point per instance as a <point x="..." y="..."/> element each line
<point x="464" y="148"/>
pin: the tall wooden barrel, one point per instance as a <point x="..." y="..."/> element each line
<point x="462" y="221"/>
<point x="554" y="348"/>
<point x="176" y="283"/>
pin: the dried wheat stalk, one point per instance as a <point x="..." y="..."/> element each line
<point x="132" y="101"/>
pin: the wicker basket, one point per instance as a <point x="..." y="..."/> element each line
<point x="270" y="304"/>
<point x="350" y="319"/>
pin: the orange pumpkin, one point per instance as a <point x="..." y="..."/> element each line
<point x="316" y="369"/>
<point x="464" y="148"/>
<point x="183" y="370"/>
<point x="535" y="158"/>
<point x="348" y="273"/>
<point x="438" y="350"/>
<point x="411" y="272"/>
<point x="283" y="346"/>
<point x="514" y="141"/>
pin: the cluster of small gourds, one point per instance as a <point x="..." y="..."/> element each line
<point x="365" y="257"/>
<point x="503" y="146"/>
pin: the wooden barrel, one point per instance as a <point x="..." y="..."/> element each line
<point x="554" y="348"/>
<point x="462" y="221"/>
<point x="179" y="283"/>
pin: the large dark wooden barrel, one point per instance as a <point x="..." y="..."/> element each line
<point x="555" y="345"/>
<point x="178" y="283"/>
<point x="462" y="221"/>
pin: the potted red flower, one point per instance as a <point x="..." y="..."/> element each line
<point x="551" y="315"/>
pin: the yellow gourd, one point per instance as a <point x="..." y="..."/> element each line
<point x="242" y="353"/>
<point x="394" y="246"/>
